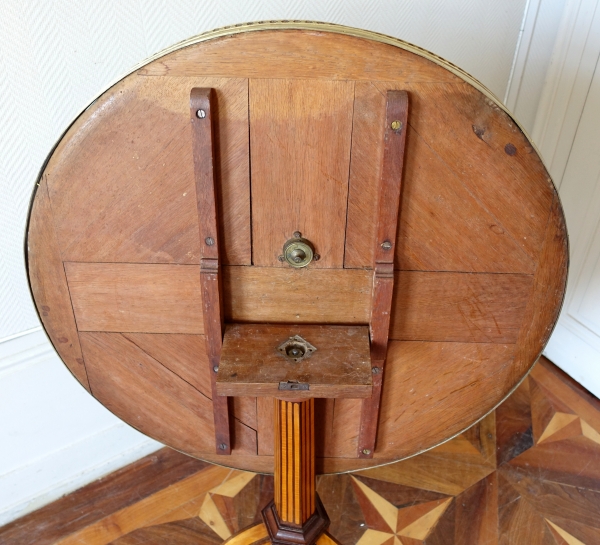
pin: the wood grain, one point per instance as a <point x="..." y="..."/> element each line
<point x="477" y="513"/>
<point x="451" y="218"/>
<point x="136" y="298"/>
<point x="459" y="307"/>
<point x="263" y="294"/>
<point x="548" y="291"/>
<point x="145" y="512"/>
<point x="98" y="500"/>
<point x="132" y="384"/>
<point x="49" y="285"/>
<point x="133" y="148"/>
<point x="251" y="363"/>
<point x="265" y="426"/>
<point x="390" y="186"/>
<point x="294" y="457"/>
<point x="184" y="355"/>
<point x="464" y="380"/>
<point x="203" y="116"/>
<point x="300" y="134"/>
<point x="431" y="306"/>
<point x="455" y="494"/>
<point x="481" y="251"/>
<point x="298" y="54"/>
<point x="445" y="385"/>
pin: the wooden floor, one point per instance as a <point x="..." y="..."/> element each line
<point x="527" y="474"/>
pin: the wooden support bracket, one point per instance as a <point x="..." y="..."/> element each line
<point x="202" y="102"/>
<point x="383" y="267"/>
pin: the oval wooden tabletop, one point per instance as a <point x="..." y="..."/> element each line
<point x="481" y="252"/>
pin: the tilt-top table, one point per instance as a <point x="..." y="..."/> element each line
<point x="300" y="248"/>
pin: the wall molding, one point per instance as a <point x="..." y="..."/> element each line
<point x="94" y="445"/>
<point x="51" y="477"/>
<point x="575" y="356"/>
<point x="567" y="83"/>
<point x="24" y="349"/>
<point x="526" y="32"/>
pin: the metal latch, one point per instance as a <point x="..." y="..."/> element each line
<point x="291" y="385"/>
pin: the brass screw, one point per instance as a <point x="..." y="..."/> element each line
<point x="366" y="451"/>
<point x="396" y="125"/>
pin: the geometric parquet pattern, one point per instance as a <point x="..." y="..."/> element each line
<point x="528" y="474"/>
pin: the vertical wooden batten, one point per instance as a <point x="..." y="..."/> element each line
<point x="395" y="129"/>
<point x="201" y="113"/>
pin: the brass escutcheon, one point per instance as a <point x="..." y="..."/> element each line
<point x="298" y="252"/>
<point x="296" y="349"/>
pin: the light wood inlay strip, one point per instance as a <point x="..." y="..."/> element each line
<point x="297" y="463"/>
<point x="290" y="461"/>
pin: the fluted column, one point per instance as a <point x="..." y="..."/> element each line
<point x="294" y="460"/>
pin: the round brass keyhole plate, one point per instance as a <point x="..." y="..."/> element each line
<point x="298" y="252"/>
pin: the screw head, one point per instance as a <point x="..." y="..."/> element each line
<point x="281" y="258"/>
<point x="386" y="245"/>
<point x="297" y="234"/>
<point x="216" y="368"/>
<point x="316" y="257"/>
<point x="376" y="370"/>
<point x="366" y="451"/>
<point x="222" y="446"/>
<point x="396" y="125"/>
<point x="201" y="114"/>
<point x="209" y="241"/>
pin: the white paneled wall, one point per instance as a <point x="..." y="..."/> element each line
<point x="55" y="57"/>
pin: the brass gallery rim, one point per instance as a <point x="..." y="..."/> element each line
<point x="311" y="28"/>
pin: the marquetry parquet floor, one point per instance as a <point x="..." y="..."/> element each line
<point x="528" y="474"/>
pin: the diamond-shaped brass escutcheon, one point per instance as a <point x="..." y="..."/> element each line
<point x="296" y="349"/>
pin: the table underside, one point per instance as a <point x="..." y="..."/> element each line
<point x="113" y="246"/>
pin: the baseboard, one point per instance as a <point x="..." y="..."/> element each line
<point x="52" y="476"/>
<point x="575" y="357"/>
<point x="55" y="437"/>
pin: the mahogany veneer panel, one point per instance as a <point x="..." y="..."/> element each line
<point x="438" y="400"/>
<point x="459" y="307"/>
<point x="300" y="133"/>
<point x="481" y="249"/>
<point x="251" y="363"/>
<point x="427" y="306"/>
<point x="184" y="355"/>
<point x="447" y="191"/>
<point x="548" y="291"/>
<point x="136" y="298"/>
<point x="133" y="149"/>
<point x="132" y="384"/>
